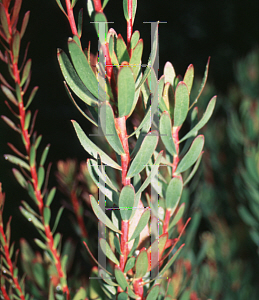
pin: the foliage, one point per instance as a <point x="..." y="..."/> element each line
<point x="130" y="167"/>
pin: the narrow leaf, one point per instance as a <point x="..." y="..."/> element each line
<point x="130" y="264"/>
<point x="50" y="196"/>
<point x="33" y="93"/>
<point x="173" y="193"/>
<point x="144" y="154"/>
<point x="177" y="217"/>
<point x="192" y="155"/>
<point x="74" y="81"/>
<point x="181" y="104"/>
<point x="154" y="292"/>
<point x="91" y="148"/>
<point x="19" y="177"/>
<point x="61" y="7"/>
<point x="120" y="277"/>
<point x="40" y="244"/>
<point x="188" y="77"/>
<point x="121" y="50"/>
<point x="204" y="80"/>
<point x="16" y="46"/>
<point x="26" y="71"/>
<point x="205" y="118"/>
<point x="134" y="39"/>
<point x="80" y="22"/>
<point x="108" y="251"/>
<point x="15" y="160"/>
<point x="57" y="219"/>
<point x="25" y="23"/>
<point x="125" y="9"/>
<point x="169" y="73"/>
<point x="141" y="224"/>
<point x="9" y="95"/>
<point x="165" y="129"/>
<point x="11" y="124"/>
<point x="41" y="176"/>
<point x="108" y="127"/>
<point x="135" y="59"/>
<point x="126" y="91"/>
<point x="4" y="21"/>
<point x="151" y="59"/>
<point x="44" y="155"/>
<point x="126" y="202"/>
<point x="46" y="215"/>
<point x="102" y="216"/>
<point x="31" y="218"/>
<point x="83" y="68"/>
<point x="142" y="264"/>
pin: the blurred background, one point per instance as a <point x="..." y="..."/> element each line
<point x="224" y="197"/>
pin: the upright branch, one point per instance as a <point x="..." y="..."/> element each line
<point x="71" y="18"/>
<point x="129" y="24"/>
<point x="98" y="5"/>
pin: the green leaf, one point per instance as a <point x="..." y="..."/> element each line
<point x="144" y="154"/>
<point x="246" y="216"/>
<point x="16" y="46"/>
<point x="204" y="80"/>
<point x="188" y="77"/>
<point x="170" y="262"/>
<point x="122" y="282"/>
<point x="134" y="39"/>
<point x="46" y="215"/>
<point x="134" y="9"/>
<point x="165" y="129"/>
<point x="91" y="148"/>
<point x="57" y="239"/>
<point x="50" y="196"/>
<point x="154" y="292"/>
<point x="126" y="91"/>
<point x="61" y="7"/>
<point x="11" y="124"/>
<point x="83" y="68"/>
<point x="151" y="59"/>
<point x="40" y="244"/>
<point x="31" y="218"/>
<point x="33" y="93"/>
<point x="17" y="161"/>
<point x="80" y="295"/>
<point x="25" y="23"/>
<point x="125" y="9"/>
<point x="126" y="202"/>
<point x="205" y="118"/>
<point x="105" y="3"/>
<point x="74" y="81"/>
<point x="152" y="174"/>
<point x="173" y="193"/>
<point x="100" y="18"/>
<point x="27" y="120"/>
<point x="26" y="71"/>
<point x="108" y="127"/>
<point x="44" y="155"/>
<point x="9" y="94"/>
<point x="196" y="166"/>
<point x="57" y="219"/>
<point x="192" y="155"/>
<point x="169" y="73"/>
<point x="177" y="217"/>
<point x="123" y="296"/>
<point x="130" y="264"/>
<point x="102" y="216"/>
<point x="80" y="22"/>
<point x="135" y="60"/>
<point x="4" y="22"/>
<point x="181" y="104"/>
<point x="108" y="251"/>
<point x="142" y="264"/>
<point x="121" y="50"/>
<point x="41" y="177"/>
<point x="141" y="224"/>
<point x="32" y="155"/>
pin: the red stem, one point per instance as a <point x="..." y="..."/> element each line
<point x="33" y="171"/>
<point x="138" y="288"/>
<point x="124" y="245"/>
<point x="71" y="18"/>
<point x="129" y="23"/>
<point x="120" y="124"/>
<point x="6" y="297"/>
<point x="98" y="5"/>
<point x="166" y="220"/>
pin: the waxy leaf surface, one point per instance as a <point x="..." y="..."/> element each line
<point x="165" y="129"/>
<point x="192" y="155"/>
<point x="91" y="148"/>
<point x="173" y="193"/>
<point x="126" y="202"/>
<point x="144" y="154"/>
<point x="126" y="91"/>
<point x="181" y="104"/>
<point x="141" y="224"/>
<point x="108" y="127"/>
<point x="108" y="251"/>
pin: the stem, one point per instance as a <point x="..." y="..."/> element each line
<point x="120" y="124"/>
<point x="124" y="245"/>
<point x="166" y="220"/>
<point x="98" y="5"/>
<point x="71" y="18"/>
<point x="129" y="25"/>
<point x="138" y="288"/>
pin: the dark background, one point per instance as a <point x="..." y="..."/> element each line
<point x="226" y="30"/>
